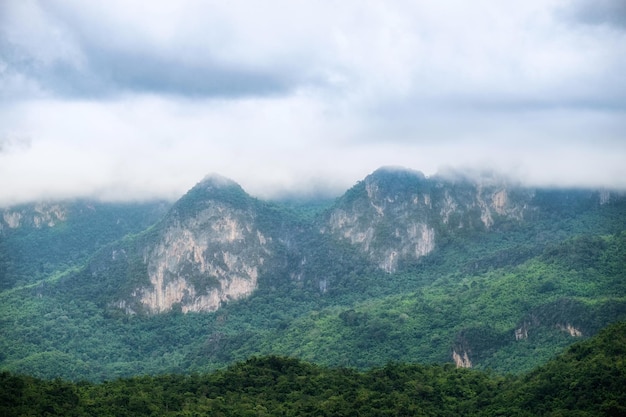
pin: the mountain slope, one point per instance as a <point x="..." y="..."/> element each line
<point x="217" y="243"/>
<point x="37" y="240"/>
<point x="588" y="379"/>
<point x="396" y="215"/>
<point x="509" y="318"/>
<point x="401" y="267"/>
<point x="213" y="246"/>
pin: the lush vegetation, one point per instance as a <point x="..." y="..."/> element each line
<point x="553" y="279"/>
<point x="50" y="330"/>
<point x="32" y="253"/>
<point x="587" y="380"/>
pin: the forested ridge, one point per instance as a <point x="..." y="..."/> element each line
<point x="588" y="379"/>
<point x="48" y="238"/>
<point x="390" y="317"/>
<point x="506" y="298"/>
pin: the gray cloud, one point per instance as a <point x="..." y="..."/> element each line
<point x="100" y="62"/>
<point x="131" y="99"/>
<point x="599" y="12"/>
<point x="142" y="72"/>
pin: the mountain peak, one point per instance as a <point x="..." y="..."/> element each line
<point x="212" y="188"/>
<point x="215" y="186"/>
<point x="393" y="181"/>
<point x="396" y="171"/>
<point x="214" y="180"/>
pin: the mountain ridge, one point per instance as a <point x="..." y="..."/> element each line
<point x="400" y="266"/>
<point x="214" y="242"/>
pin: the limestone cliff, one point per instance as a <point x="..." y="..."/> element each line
<point x="218" y="244"/>
<point x="566" y="315"/>
<point x="208" y="250"/>
<point x="37" y="215"/>
<point x="461" y="359"/>
<point x="397" y="215"/>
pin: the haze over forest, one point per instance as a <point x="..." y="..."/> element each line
<point x="117" y="100"/>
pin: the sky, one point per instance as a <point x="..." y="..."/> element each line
<point x="130" y="100"/>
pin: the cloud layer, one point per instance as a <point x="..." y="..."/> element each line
<point x="135" y="99"/>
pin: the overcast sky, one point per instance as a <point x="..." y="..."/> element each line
<point x="133" y="99"/>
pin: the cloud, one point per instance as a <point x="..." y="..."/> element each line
<point x="12" y="143"/>
<point x="124" y="99"/>
<point x="599" y="12"/>
<point x="483" y="53"/>
<point x="78" y="51"/>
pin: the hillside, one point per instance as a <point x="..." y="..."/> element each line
<point x="480" y="272"/>
<point x="39" y="240"/>
<point x="587" y="380"/>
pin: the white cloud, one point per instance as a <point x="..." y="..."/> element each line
<point x="134" y="99"/>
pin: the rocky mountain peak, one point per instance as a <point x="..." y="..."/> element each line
<point x="207" y="250"/>
<point x="396" y="173"/>
<point x="217" y="241"/>
<point x="398" y="214"/>
<point x="213" y="189"/>
<point x="216" y="181"/>
<point x="37" y="216"/>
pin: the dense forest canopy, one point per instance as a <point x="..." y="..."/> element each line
<point x="587" y="380"/>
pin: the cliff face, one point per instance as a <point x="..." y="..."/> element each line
<point x="386" y="219"/>
<point x="39" y="239"/>
<point x="395" y="215"/>
<point x="208" y="250"/>
<point x="37" y="216"/>
<point x="204" y="260"/>
<point x="218" y="244"/>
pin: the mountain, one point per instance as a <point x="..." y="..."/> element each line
<point x="37" y="240"/>
<point x="217" y="241"/>
<point x="473" y="270"/>
<point x="209" y="249"/>
<point x="396" y="215"/>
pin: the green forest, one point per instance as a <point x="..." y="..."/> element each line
<point x="522" y="304"/>
<point x="51" y="331"/>
<point x="588" y="379"/>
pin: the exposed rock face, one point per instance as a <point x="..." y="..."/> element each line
<point x="386" y="222"/>
<point x="461" y="359"/>
<point x="217" y="243"/>
<point x="571" y="330"/>
<point x="38" y="216"/>
<point x="206" y="256"/>
<point x="396" y="215"/>
<point x="521" y="333"/>
<point x="219" y="249"/>
<point x="556" y="315"/>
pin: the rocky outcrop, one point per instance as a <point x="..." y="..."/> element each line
<point x="217" y="242"/>
<point x="388" y="222"/>
<point x="397" y="215"/>
<point x="521" y="333"/>
<point x="209" y="251"/>
<point x="37" y="216"/>
<point x="461" y="359"/>
<point x="204" y="261"/>
<point x="560" y="315"/>
<point x="569" y="329"/>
